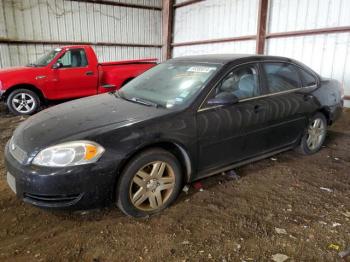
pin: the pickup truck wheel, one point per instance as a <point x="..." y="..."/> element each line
<point x="23" y="102"/>
<point x="149" y="183"/>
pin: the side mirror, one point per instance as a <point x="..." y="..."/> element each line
<point x="57" y="65"/>
<point x="224" y="98"/>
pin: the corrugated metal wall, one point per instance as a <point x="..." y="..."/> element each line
<point x="64" y="20"/>
<point x="212" y="20"/>
<point x="328" y="54"/>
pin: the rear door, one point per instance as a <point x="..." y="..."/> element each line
<point x="288" y="103"/>
<point x="224" y="132"/>
<point x="76" y="77"/>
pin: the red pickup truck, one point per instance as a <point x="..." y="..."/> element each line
<point x="64" y="73"/>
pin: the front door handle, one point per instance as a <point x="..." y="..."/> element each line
<point x="89" y="73"/>
<point x="307" y="97"/>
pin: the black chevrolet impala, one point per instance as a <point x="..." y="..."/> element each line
<point x="182" y="120"/>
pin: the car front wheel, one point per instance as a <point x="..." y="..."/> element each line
<point x="23" y="102"/>
<point x="149" y="183"/>
<point x="315" y="135"/>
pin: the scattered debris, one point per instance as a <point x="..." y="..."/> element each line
<point x="237" y="247"/>
<point x="210" y="256"/>
<point x="345" y="253"/>
<point x="347" y="214"/>
<point x="186" y="242"/>
<point x="336" y="159"/>
<point x="186" y="188"/>
<point x="280" y="231"/>
<point x="326" y="189"/>
<point x="273" y="159"/>
<point x="334" y="247"/>
<point x="336" y="224"/>
<point x="198" y="186"/>
<point x="279" y="257"/>
<point x="323" y="223"/>
<point x="231" y="175"/>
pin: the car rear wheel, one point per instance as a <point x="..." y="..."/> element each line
<point x="23" y="102"/>
<point x="149" y="183"/>
<point x="315" y="135"/>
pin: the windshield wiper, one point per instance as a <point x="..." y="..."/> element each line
<point x="144" y="102"/>
<point x="137" y="100"/>
<point x="32" y="65"/>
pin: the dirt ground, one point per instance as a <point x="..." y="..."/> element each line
<point x="231" y="220"/>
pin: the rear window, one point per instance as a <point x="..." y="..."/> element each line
<point x="281" y="77"/>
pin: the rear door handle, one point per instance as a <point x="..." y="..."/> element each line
<point x="89" y="73"/>
<point x="258" y="108"/>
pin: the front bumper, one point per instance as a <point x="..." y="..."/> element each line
<point x="77" y="187"/>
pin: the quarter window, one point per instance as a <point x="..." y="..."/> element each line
<point x="281" y="77"/>
<point x="73" y="58"/>
<point x="307" y="78"/>
<point x="242" y="82"/>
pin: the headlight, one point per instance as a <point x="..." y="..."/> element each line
<point x="69" y="154"/>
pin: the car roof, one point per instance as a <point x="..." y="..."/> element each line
<point x="227" y="58"/>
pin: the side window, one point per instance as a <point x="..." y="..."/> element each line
<point x="242" y="82"/>
<point x="307" y="79"/>
<point x="73" y="58"/>
<point x="281" y="77"/>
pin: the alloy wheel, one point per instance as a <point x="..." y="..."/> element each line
<point x="152" y="185"/>
<point x="316" y="133"/>
<point x="24" y="103"/>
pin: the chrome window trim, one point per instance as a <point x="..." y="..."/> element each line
<point x="201" y="109"/>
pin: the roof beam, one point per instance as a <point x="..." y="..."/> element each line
<point x="113" y="3"/>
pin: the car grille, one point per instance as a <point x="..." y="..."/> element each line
<point x="18" y="153"/>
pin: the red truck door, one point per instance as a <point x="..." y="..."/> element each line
<point x="75" y="76"/>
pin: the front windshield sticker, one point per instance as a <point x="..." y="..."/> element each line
<point x="201" y="69"/>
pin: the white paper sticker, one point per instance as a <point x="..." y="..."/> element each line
<point x="201" y="69"/>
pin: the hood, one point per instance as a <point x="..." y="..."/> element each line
<point x="18" y="72"/>
<point x="16" y="69"/>
<point x="78" y="119"/>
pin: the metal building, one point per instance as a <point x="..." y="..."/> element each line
<point x="316" y="32"/>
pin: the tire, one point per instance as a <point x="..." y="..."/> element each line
<point x="23" y="102"/>
<point x="308" y="145"/>
<point x="141" y="192"/>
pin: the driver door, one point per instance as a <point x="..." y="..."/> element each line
<point x="225" y="132"/>
<point x="75" y="77"/>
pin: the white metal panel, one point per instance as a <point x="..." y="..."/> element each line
<point x="111" y="53"/>
<point x="242" y="47"/>
<point x="328" y="54"/>
<point x="292" y="15"/>
<point x="68" y="20"/>
<point x="215" y="19"/>
<point x="3" y="31"/>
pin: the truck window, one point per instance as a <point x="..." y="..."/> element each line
<point x="73" y="58"/>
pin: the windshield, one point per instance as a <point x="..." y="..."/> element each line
<point x="46" y="59"/>
<point x="169" y="84"/>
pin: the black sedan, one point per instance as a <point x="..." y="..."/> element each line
<point x="182" y="120"/>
